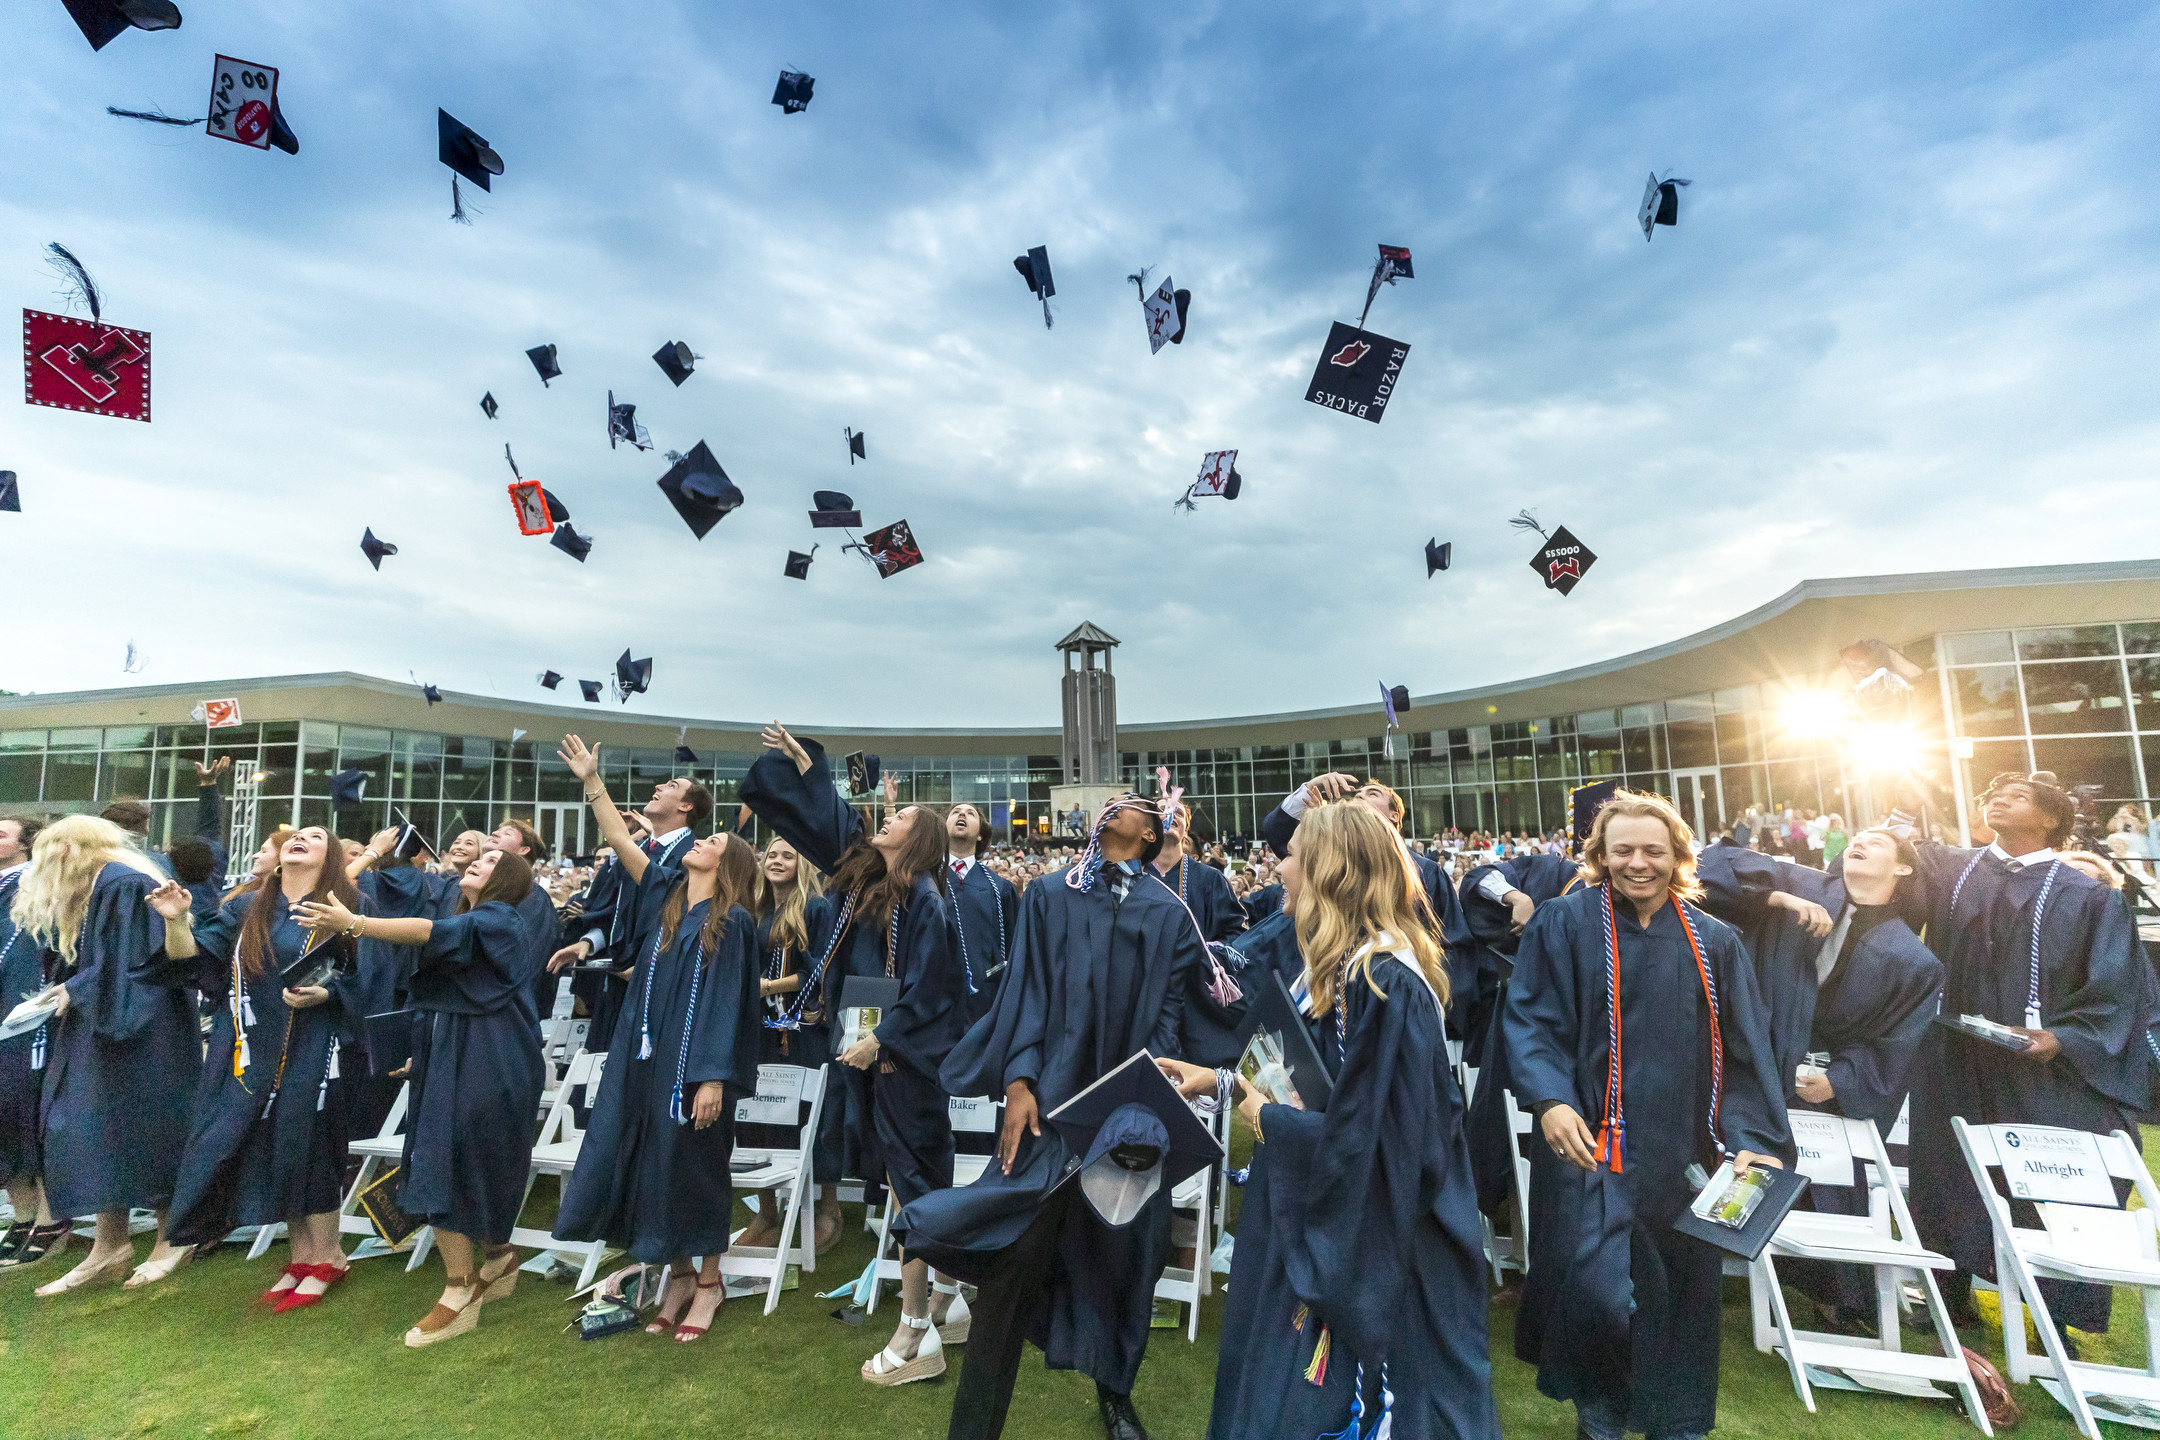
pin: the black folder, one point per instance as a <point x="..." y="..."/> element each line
<point x="1278" y="1014"/>
<point x="1957" y="1026"/>
<point x="1747" y="1242"/>
<point x="388" y="1037"/>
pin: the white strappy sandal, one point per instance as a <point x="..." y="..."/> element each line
<point x="953" y="1330"/>
<point x="886" y="1368"/>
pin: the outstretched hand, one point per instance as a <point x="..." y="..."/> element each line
<point x="583" y="763"/>
<point x="170" y="900"/>
<point x="776" y="737"/>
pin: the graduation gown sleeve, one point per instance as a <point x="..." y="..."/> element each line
<point x="805" y="809"/>
<point x="1872" y="1017"/>
<point x="122" y="934"/>
<point x="722" y="1042"/>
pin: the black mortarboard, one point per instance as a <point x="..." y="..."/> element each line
<point x="798" y="564"/>
<point x="622" y="424"/>
<point x="1034" y="267"/>
<point x="431" y="694"/>
<point x="410" y="841"/>
<point x="792" y="94"/>
<point x="487" y="403"/>
<point x="1357" y="372"/>
<point x="863" y="772"/>
<point x="675" y="359"/>
<point x="567" y="540"/>
<point x="348" y="789"/>
<point x="558" y="513"/>
<point x="460" y="147"/>
<point x="592" y="690"/>
<point x="281" y="134"/>
<point x="1437" y="555"/>
<point x="684" y="755"/>
<point x="101" y="20"/>
<point x="891" y="549"/>
<point x="549" y="679"/>
<point x="700" y="490"/>
<point x="543" y="358"/>
<point x="834" y="511"/>
<point x="633" y="677"/>
<point x="1188" y="1147"/>
<point x="1660" y="203"/>
<point x="1563" y="561"/>
<point x="1218" y="476"/>
<point x="375" y="549"/>
<point x="855" y="446"/>
<point x="10" y="492"/>
<point x="1584" y="801"/>
<point x="1394" y="699"/>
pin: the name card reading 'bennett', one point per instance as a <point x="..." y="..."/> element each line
<point x="1826" y="1156"/>
<point x="779" y="1092"/>
<point x="2046" y="1164"/>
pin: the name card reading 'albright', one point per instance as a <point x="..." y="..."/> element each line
<point x="2046" y="1164"/>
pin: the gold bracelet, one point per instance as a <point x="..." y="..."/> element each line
<point x="358" y="925"/>
<point x="596" y="797"/>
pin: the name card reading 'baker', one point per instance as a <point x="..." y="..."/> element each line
<point x="974" y="1115"/>
<point x="1825" y="1150"/>
<point x="2046" y="1164"/>
<point x="779" y="1092"/>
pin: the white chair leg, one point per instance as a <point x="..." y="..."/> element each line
<point x="884" y="1242"/>
<point x="264" y="1235"/>
<point x="1791" y="1345"/>
<point x="594" y="1253"/>
<point x="420" y="1248"/>
<point x="1946" y="1336"/>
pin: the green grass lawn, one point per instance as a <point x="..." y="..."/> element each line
<point x="195" y="1356"/>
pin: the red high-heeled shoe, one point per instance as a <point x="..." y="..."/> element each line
<point x="276" y="1293"/>
<point x="296" y="1299"/>
<point x="684" y="1334"/>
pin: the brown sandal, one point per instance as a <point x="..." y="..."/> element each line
<point x="503" y="1283"/>
<point x="442" y="1322"/>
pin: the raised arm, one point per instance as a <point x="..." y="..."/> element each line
<point x="791" y="790"/>
<point x="330" y="914"/>
<point x="585" y="764"/>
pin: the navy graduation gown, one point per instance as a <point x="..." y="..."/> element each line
<point x="477" y="1074"/>
<point x="1093" y="980"/>
<point x="808" y="1044"/>
<point x="1619" y="1309"/>
<point x="1263" y="902"/>
<point x="22" y="972"/>
<point x="268" y="1144"/>
<point x="908" y="1142"/>
<point x="1362" y="1221"/>
<point x="208" y="892"/>
<point x="985" y="907"/>
<point x="1212" y="1029"/>
<point x="121" y="1062"/>
<point x="646" y="1182"/>
<point x="543" y="937"/>
<point x="625" y="915"/>
<point x="2096" y="995"/>
<point x="1272" y="943"/>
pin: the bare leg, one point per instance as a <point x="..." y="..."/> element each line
<point x="915" y="1301"/>
<point x="457" y="1259"/>
<point x="828" y="1214"/>
<point x="314" y="1241"/>
<point x="764" y="1227"/>
<point x="705" y="1301"/>
<point x="163" y="1250"/>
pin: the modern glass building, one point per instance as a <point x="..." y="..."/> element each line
<point x="2047" y="667"/>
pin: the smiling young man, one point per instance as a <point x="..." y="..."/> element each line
<point x="2034" y="944"/>
<point x="1635" y="1034"/>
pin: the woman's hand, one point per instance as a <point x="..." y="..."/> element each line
<point x="2042" y="1045"/>
<point x="862" y="1054"/>
<point x="170" y="900"/>
<point x="384" y="842"/>
<point x="1190" y="1079"/>
<point x="327" y="914"/>
<point x="1248" y="1105"/>
<point x="569" y="955"/>
<point x="776" y="737"/>
<point x="706" y="1107"/>
<point x="583" y="763"/>
<point x="891" y="787"/>
<point x="59" y="992"/>
<point x="1814" y="1088"/>
<point x="307" y="997"/>
<point x="1746" y="1158"/>
<point x="208" y="774"/>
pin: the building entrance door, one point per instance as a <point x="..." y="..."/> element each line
<point x="1700" y="801"/>
<point x="563" y="828"/>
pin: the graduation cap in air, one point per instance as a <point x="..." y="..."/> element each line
<point x="1562" y="561"/>
<point x="675" y="359"/>
<point x="549" y="679"/>
<point x="1165" y="311"/>
<point x="835" y="511"/>
<point x="243" y="107"/>
<point x="1394" y="699"/>
<point x="375" y="549"/>
<point x="700" y="490"/>
<point x="1393" y="265"/>
<point x="460" y="147"/>
<point x="1218" y="476"/>
<point x="1660" y="203"/>
<point x="622" y="424"/>
<point x="102" y="20"/>
<point x="1132" y="1136"/>
<point x="684" y="755"/>
<point x="792" y="94"/>
<point x="567" y="540"/>
<point x="891" y="549"/>
<point x="798" y="564"/>
<point x="431" y="694"/>
<point x="855" y="446"/>
<point x="632" y="677"/>
<point x="1882" y="678"/>
<point x="348" y="789"/>
<point x="10" y="492"/>
<point x="591" y="689"/>
<point x="1034" y="267"/>
<point x="1584" y="801"/>
<point x="1437" y="555"/>
<point x="410" y="841"/>
<point x="487" y="403"/>
<point x="863" y="773"/>
<point x="543" y="358"/>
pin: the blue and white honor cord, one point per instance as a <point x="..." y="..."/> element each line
<point x="2032" y="986"/>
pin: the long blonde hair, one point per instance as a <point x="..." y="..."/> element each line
<point x="1638" y="805"/>
<point x="789" y="909"/>
<point x="1358" y="885"/>
<point x="54" y="895"/>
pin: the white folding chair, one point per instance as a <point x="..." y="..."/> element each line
<point x="1522" y="1134"/>
<point x="1197" y="1195"/>
<point x="969" y="1117"/>
<point x="2118" y="1250"/>
<point x="1885" y="1240"/>
<point x="801" y="1093"/>
<point x="565" y="1042"/>
<point x="386" y="1147"/>
<point x="555" y="1153"/>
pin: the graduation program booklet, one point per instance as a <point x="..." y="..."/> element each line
<point x="864" y="999"/>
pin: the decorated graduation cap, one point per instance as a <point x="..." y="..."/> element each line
<point x="834" y="510"/>
<point x="1660" y="203"/>
<point x="86" y="365"/>
<point x="1165" y="310"/>
<point x="1394" y="699"/>
<point x="699" y="489"/>
<point x="792" y="94"/>
<point x="684" y="755"/>
<point x="102" y="21"/>
<point x="891" y="549"/>
<point x="469" y="157"/>
<point x="549" y="679"/>
<point x="1358" y="369"/>
<point x="487" y="404"/>
<point x="1034" y="267"/>
<point x="243" y="108"/>
<point x="632" y="677"/>
<point x="622" y="424"/>
<point x="1882" y="678"/>
<point x="591" y="690"/>
<point x="348" y="789"/>
<point x="1133" y="1136"/>
<point x="10" y="492"/>
<point x="798" y="564"/>
<point x="1584" y="801"/>
<point x="567" y="540"/>
<point x="536" y="509"/>
<point x="676" y="361"/>
<point x="543" y="361"/>
<point x="863" y="773"/>
<point x="375" y="549"/>
<point x="1563" y="560"/>
<point x="854" y="445"/>
<point x="1438" y="556"/>
<point x="1218" y="476"/>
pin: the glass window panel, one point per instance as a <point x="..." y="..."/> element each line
<point x="75" y="739"/>
<point x="1635" y="743"/>
<point x="128" y="737"/>
<point x="1991" y="758"/>
<point x="22" y="739"/>
<point x="1693" y="742"/>
<point x="2066" y="643"/>
<point x="124" y="775"/>
<point x="1429" y="772"/>
<point x="1744" y="785"/>
<point x="281" y="732"/>
<point x="2145" y="691"/>
<point x="2106" y="761"/>
<point x="20" y="776"/>
<point x="1732" y="702"/>
<point x="2139" y="638"/>
<point x="1640" y="715"/>
<point x="1739" y="738"/>
<point x="1985" y="647"/>
<point x="557" y="784"/>
<point x="71" y="775"/>
<point x="318" y="752"/>
<point x="1792" y="784"/>
<point x="2075" y="695"/>
<point x="1601" y="756"/>
<point x="1690" y="707"/>
<point x="1986" y="700"/>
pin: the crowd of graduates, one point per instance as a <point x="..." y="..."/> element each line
<point x="207" y="1052"/>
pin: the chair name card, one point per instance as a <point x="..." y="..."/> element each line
<point x="1826" y="1156"/>
<point x="779" y="1092"/>
<point x="2047" y="1164"/>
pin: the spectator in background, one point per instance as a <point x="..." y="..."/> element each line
<point x="1834" y="840"/>
<point x="1746" y="828"/>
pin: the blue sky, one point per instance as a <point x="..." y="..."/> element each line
<point x="1906" y="323"/>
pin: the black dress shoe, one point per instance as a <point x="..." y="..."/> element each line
<point x="1119" y="1420"/>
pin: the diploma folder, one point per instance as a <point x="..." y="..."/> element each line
<point x="864" y="999"/>
<point x="28" y="1016"/>
<point x="1278" y="1015"/>
<point x="1781" y="1192"/>
<point x="320" y="960"/>
<point x="388" y="1036"/>
<point x="1986" y="1031"/>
